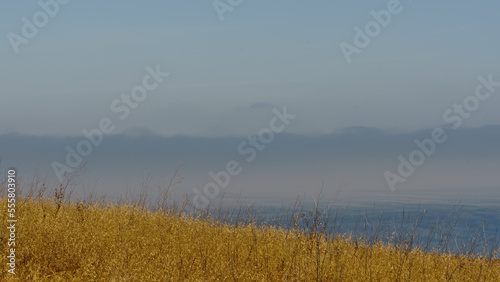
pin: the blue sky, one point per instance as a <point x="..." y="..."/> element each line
<point x="264" y="52"/>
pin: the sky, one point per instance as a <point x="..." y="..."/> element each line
<point x="230" y="69"/>
<point x="264" y="52"/>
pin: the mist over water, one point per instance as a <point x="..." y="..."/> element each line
<point x="354" y="161"/>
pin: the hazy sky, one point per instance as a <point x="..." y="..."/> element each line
<point x="208" y="74"/>
<point x="226" y="76"/>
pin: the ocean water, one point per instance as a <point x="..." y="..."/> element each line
<point x="469" y="227"/>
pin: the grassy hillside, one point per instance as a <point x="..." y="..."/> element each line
<point x="94" y="240"/>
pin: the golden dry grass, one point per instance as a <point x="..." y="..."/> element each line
<point x="109" y="242"/>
